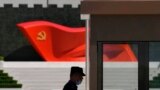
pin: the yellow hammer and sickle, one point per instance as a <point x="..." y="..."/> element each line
<point x="41" y="35"/>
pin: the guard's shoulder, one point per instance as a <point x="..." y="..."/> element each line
<point x="70" y="86"/>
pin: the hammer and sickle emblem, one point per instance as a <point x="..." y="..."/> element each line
<point x="41" y="35"/>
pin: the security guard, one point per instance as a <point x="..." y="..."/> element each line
<point x="76" y="77"/>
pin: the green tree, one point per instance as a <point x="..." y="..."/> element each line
<point x="1" y="58"/>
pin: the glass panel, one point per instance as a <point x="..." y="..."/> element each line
<point x="154" y="68"/>
<point x="120" y="67"/>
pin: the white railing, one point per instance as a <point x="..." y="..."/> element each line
<point x="42" y="64"/>
<point x="61" y="3"/>
<point x="29" y="3"/>
<point x="69" y="64"/>
<point x="44" y="3"/>
<point x="10" y="89"/>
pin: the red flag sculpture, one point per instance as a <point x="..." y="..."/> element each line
<point x="55" y="42"/>
<point x="118" y="53"/>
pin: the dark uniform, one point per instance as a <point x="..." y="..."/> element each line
<point x="70" y="85"/>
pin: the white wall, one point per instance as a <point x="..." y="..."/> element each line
<point x="42" y="75"/>
<point x="33" y="75"/>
